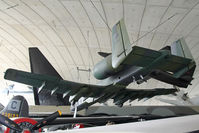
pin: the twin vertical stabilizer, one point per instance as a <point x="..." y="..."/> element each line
<point x="120" y="43"/>
<point x="180" y="48"/>
<point x="40" y="65"/>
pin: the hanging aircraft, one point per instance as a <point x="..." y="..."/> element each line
<point x="172" y="64"/>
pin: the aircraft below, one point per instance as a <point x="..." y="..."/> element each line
<point x="172" y="64"/>
<point x="16" y="118"/>
<point x="18" y="109"/>
<point x="10" y="89"/>
<point x="184" y="124"/>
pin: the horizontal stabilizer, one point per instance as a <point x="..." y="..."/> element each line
<point x="182" y="81"/>
<point x="172" y="64"/>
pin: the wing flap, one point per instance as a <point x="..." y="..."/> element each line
<point x="132" y="94"/>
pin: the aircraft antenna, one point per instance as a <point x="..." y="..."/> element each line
<point x="154" y="28"/>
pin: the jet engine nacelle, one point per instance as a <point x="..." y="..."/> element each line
<point x="104" y="68"/>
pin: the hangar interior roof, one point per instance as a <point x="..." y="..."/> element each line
<point x="71" y="32"/>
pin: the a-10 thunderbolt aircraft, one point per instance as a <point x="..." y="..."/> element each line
<point x="172" y="64"/>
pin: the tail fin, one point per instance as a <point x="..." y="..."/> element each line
<point x="120" y="43"/>
<point x="40" y="65"/>
<point x="17" y="107"/>
<point x="1" y="106"/>
<point x="180" y="48"/>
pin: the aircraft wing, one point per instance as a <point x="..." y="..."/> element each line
<point x="53" y="84"/>
<point x="68" y="88"/>
<point x="132" y="94"/>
